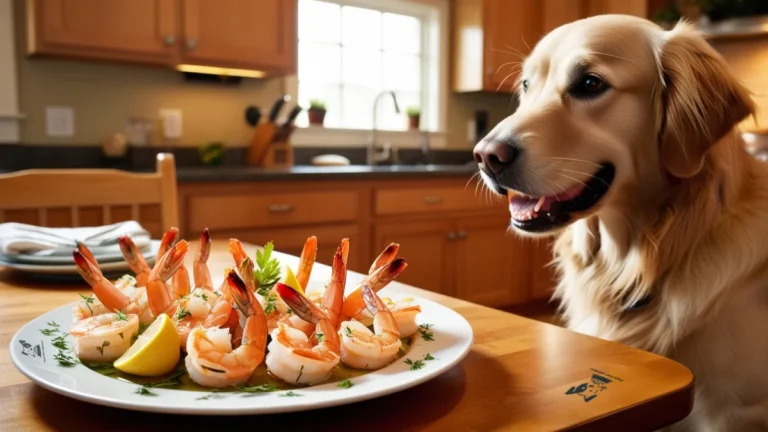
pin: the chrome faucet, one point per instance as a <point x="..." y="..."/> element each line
<point x="371" y="155"/>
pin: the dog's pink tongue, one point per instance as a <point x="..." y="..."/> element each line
<point x="523" y="207"/>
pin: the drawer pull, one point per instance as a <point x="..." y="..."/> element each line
<point x="280" y="208"/>
<point x="461" y="235"/>
<point x="432" y="200"/>
<point x="451" y="235"/>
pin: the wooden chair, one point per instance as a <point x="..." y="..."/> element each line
<point x="92" y="197"/>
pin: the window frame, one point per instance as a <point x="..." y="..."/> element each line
<point x="435" y="39"/>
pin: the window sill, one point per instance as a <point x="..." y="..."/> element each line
<point x="314" y="136"/>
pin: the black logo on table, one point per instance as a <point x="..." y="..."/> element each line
<point x="30" y="350"/>
<point x="590" y="388"/>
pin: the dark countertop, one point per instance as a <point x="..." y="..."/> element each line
<point x="306" y="172"/>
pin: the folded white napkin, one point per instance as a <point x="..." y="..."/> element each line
<point x="17" y="238"/>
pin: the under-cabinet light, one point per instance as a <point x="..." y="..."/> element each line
<point x="221" y="71"/>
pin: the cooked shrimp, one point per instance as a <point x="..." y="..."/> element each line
<point x="120" y="296"/>
<point x="354" y="303"/>
<point x="363" y="349"/>
<point x="404" y="311"/>
<point x="306" y="261"/>
<point x="292" y="356"/>
<point x="158" y="291"/>
<point x="105" y="337"/>
<point x="200" y="269"/>
<point x="211" y="361"/>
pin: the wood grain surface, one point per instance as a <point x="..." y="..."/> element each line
<point x="516" y="377"/>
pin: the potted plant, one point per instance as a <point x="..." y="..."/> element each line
<point x="414" y="117"/>
<point x="316" y="112"/>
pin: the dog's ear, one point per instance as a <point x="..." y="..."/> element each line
<point x="702" y="100"/>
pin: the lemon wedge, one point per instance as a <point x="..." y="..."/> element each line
<point x="155" y="352"/>
<point x="290" y="280"/>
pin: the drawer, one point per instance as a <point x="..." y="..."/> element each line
<point x="266" y="210"/>
<point x="427" y="200"/>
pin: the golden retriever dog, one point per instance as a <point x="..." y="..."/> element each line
<point x="625" y="146"/>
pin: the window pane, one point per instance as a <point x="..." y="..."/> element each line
<point x="358" y="107"/>
<point x="402" y="33"/>
<point x="361" y="67"/>
<point x="330" y="94"/>
<point x="361" y="27"/>
<point x="319" y="21"/>
<point x="319" y="62"/>
<point x="389" y="119"/>
<point x="402" y="72"/>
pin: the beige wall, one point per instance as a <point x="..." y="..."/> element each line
<point x="748" y="59"/>
<point x="105" y="95"/>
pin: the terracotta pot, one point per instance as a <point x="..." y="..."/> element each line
<point x="316" y="117"/>
<point x="413" y="121"/>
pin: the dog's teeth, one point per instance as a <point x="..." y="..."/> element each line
<point x="539" y="204"/>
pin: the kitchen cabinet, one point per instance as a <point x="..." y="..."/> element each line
<point x="131" y="30"/>
<point x="491" y="37"/>
<point x="237" y="34"/>
<point x="244" y="34"/>
<point x="454" y="242"/>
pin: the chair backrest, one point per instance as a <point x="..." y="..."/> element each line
<point x="92" y="197"/>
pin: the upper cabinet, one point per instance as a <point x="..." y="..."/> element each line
<point x="492" y="37"/>
<point x="248" y="34"/>
<point x="258" y="35"/>
<point x="132" y="30"/>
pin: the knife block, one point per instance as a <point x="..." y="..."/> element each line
<point x="279" y="155"/>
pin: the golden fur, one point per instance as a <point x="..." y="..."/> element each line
<point x="686" y="219"/>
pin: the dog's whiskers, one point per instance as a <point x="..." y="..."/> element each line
<point x="583" y="173"/>
<point x="576" y="160"/>
<point x="574" y="179"/>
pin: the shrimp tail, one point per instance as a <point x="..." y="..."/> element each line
<point x="237" y="251"/>
<point x="168" y="240"/>
<point x="165" y="267"/>
<point x="306" y="261"/>
<point x="246" y="270"/>
<point x="383" y="320"/>
<point x="200" y="270"/>
<point x="385" y="257"/>
<point x="105" y="291"/>
<point x="83" y="249"/>
<point x="300" y="305"/>
<point x="134" y="259"/>
<point x="354" y="303"/>
<point x="333" y="299"/>
<point x="372" y="301"/>
<point x="244" y="298"/>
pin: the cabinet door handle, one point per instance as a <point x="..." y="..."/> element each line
<point x="432" y="200"/>
<point x="280" y="208"/>
<point x="169" y="40"/>
<point x="451" y="235"/>
<point x="192" y="44"/>
<point x="461" y="234"/>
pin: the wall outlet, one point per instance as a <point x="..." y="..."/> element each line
<point x="59" y="121"/>
<point x="171" y="123"/>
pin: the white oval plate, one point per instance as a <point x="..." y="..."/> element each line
<point x="33" y="355"/>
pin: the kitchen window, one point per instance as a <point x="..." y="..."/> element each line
<point x="352" y="50"/>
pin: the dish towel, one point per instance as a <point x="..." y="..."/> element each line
<point x="17" y="238"/>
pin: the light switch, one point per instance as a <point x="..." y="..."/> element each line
<point x="171" y="123"/>
<point x="59" y="121"/>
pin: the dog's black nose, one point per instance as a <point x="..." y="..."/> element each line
<point x="495" y="155"/>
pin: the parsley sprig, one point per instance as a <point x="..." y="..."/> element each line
<point x="264" y="388"/>
<point x="426" y="333"/>
<point x="267" y="272"/>
<point x="345" y="384"/>
<point x="415" y="365"/>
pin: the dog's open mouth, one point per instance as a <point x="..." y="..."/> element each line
<point x="540" y="214"/>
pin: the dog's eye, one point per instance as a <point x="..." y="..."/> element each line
<point x="525" y="85"/>
<point x="589" y="85"/>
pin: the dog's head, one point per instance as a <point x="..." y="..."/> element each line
<point x="609" y="106"/>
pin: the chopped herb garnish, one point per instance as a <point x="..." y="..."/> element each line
<point x="101" y="348"/>
<point x="64" y="360"/>
<point x="415" y="365"/>
<point x="269" y="306"/>
<point x="426" y="333"/>
<point x="206" y="397"/>
<point x="145" y="392"/>
<point x="60" y="343"/>
<point x="291" y="394"/>
<point x="204" y="296"/>
<point x="52" y="324"/>
<point x="182" y="313"/>
<point x="348" y="331"/>
<point x="103" y="368"/>
<point x="88" y="300"/>
<point x="429" y="357"/>
<point x="289" y="311"/>
<point x="268" y="272"/>
<point x="264" y="388"/>
<point x="320" y="337"/>
<point x="121" y="316"/>
<point x="345" y="384"/>
<point x="174" y="380"/>
<point x="49" y="332"/>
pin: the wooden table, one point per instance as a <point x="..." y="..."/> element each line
<point x="520" y="375"/>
